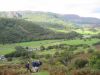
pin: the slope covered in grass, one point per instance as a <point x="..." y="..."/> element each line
<point x="14" y="30"/>
<point x="48" y="20"/>
<point x="45" y="19"/>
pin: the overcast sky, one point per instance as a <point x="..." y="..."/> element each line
<point x="89" y="8"/>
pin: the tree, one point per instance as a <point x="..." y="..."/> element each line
<point x="73" y="35"/>
<point x="21" y="52"/>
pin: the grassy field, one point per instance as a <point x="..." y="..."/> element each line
<point x="41" y="73"/>
<point x="7" y="48"/>
<point x="78" y="41"/>
<point x="87" y="32"/>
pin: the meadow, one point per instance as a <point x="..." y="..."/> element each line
<point x="8" y="48"/>
<point x="47" y="55"/>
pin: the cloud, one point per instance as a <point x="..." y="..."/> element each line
<point x="80" y="7"/>
<point x="97" y="10"/>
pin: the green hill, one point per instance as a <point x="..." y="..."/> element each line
<point x="50" y="20"/>
<point x="13" y="30"/>
<point x="20" y="26"/>
<point x="47" y="20"/>
<point x="18" y="30"/>
<point x="58" y="20"/>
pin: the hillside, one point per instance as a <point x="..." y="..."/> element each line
<point x="38" y="16"/>
<point x="20" y="26"/>
<point x="61" y="45"/>
<point x="13" y="30"/>
<point x="66" y="20"/>
<point x="47" y="20"/>
<point x="18" y="30"/>
<point x="82" y="20"/>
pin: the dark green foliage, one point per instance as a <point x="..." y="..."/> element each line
<point x="72" y="35"/>
<point x="66" y="57"/>
<point x="9" y="59"/>
<point x="98" y="43"/>
<point x="13" y="30"/>
<point x="72" y="48"/>
<point x="80" y="63"/>
<point x="57" y="54"/>
<point x="42" y="47"/>
<point x="95" y="60"/>
<point x="53" y="47"/>
<point x="17" y="30"/>
<point x="10" y="55"/>
<point x="90" y="50"/>
<point x="47" y="56"/>
<point x="67" y="47"/>
<point x="96" y="36"/>
<point x="21" y="52"/>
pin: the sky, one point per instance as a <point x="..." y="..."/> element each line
<point x="86" y="8"/>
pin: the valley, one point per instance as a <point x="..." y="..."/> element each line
<point x="66" y="44"/>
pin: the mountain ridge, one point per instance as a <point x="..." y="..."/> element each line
<point x="63" y="17"/>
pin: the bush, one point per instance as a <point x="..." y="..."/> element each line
<point x="47" y="56"/>
<point x="9" y="59"/>
<point x="73" y="35"/>
<point x="85" y="71"/>
<point x="66" y="57"/>
<point x="80" y="63"/>
<point x="94" y="61"/>
<point x="90" y="50"/>
<point x="57" y="54"/>
<point x="42" y="47"/>
<point x="21" y="52"/>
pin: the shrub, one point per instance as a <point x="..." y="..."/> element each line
<point x="47" y="56"/>
<point x="66" y="57"/>
<point x="21" y="52"/>
<point x="80" y="63"/>
<point x="90" y="50"/>
<point x="9" y="59"/>
<point x="42" y="47"/>
<point x="94" y="61"/>
<point x="57" y="54"/>
<point x="85" y="71"/>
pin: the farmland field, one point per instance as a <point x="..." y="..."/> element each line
<point x="7" y="48"/>
<point x="87" y="32"/>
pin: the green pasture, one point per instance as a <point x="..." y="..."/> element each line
<point x="7" y="48"/>
<point x="87" y="32"/>
<point x="78" y="41"/>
